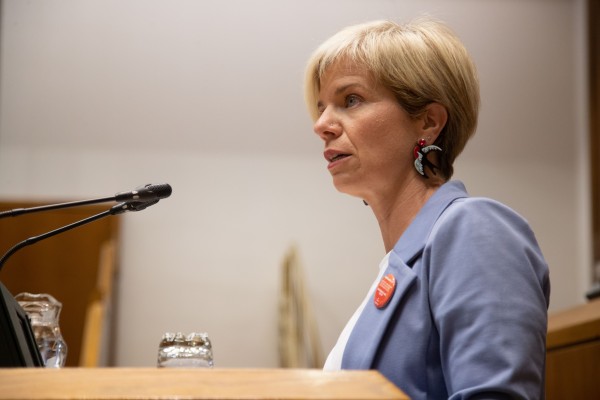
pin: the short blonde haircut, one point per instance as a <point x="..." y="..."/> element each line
<point x="421" y="62"/>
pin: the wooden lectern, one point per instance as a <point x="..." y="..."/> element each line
<point x="176" y="383"/>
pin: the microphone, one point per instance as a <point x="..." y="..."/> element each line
<point x="135" y="200"/>
<point x="146" y="193"/>
<point x="141" y="194"/>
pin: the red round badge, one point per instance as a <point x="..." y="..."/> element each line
<point x="384" y="291"/>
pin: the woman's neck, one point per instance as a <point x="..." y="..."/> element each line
<point x="396" y="210"/>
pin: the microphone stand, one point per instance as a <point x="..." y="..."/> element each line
<point x="21" y="337"/>
<point x="17" y="340"/>
<point x="135" y="200"/>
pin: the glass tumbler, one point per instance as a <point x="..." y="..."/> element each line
<point x="185" y="351"/>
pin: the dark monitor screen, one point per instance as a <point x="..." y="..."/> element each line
<point x="17" y="342"/>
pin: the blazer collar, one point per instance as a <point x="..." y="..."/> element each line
<point x="413" y="240"/>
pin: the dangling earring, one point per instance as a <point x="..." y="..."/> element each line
<point x="420" y="153"/>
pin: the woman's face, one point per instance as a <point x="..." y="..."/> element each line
<point x="368" y="136"/>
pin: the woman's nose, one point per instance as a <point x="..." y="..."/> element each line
<point x="327" y="126"/>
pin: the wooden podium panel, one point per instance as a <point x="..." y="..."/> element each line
<point x="201" y="384"/>
<point x="573" y="353"/>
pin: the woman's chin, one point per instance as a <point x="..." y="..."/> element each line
<point x="346" y="187"/>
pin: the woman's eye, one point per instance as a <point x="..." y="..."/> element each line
<point x="352" y="100"/>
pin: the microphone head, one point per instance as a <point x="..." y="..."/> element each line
<point x="147" y="192"/>
<point x="158" y="191"/>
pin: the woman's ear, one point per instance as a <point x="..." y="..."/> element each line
<point x="434" y="120"/>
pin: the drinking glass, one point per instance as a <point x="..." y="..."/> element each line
<point x="193" y="350"/>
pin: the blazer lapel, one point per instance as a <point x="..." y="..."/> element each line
<point x="372" y="323"/>
<point x="371" y="326"/>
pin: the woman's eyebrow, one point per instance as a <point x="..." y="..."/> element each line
<point x="348" y="86"/>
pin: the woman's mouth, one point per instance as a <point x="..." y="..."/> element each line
<point x="339" y="157"/>
<point x="334" y="157"/>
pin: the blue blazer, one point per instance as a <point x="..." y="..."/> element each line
<point x="468" y="315"/>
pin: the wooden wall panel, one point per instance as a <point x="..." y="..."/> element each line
<point x="65" y="266"/>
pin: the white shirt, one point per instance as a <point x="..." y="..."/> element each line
<point x="334" y="360"/>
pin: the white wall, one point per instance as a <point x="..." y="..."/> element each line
<point x="101" y="96"/>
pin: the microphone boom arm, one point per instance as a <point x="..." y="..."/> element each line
<point x="135" y="200"/>
<point x="142" y="195"/>
<point x="116" y="209"/>
<point x="19" y="211"/>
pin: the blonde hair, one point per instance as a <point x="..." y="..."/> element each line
<point x="421" y="62"/>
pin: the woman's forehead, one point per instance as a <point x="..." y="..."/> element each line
<point x="345" y="68"/>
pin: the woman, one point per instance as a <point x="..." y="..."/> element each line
<point x="459" y="308"/>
